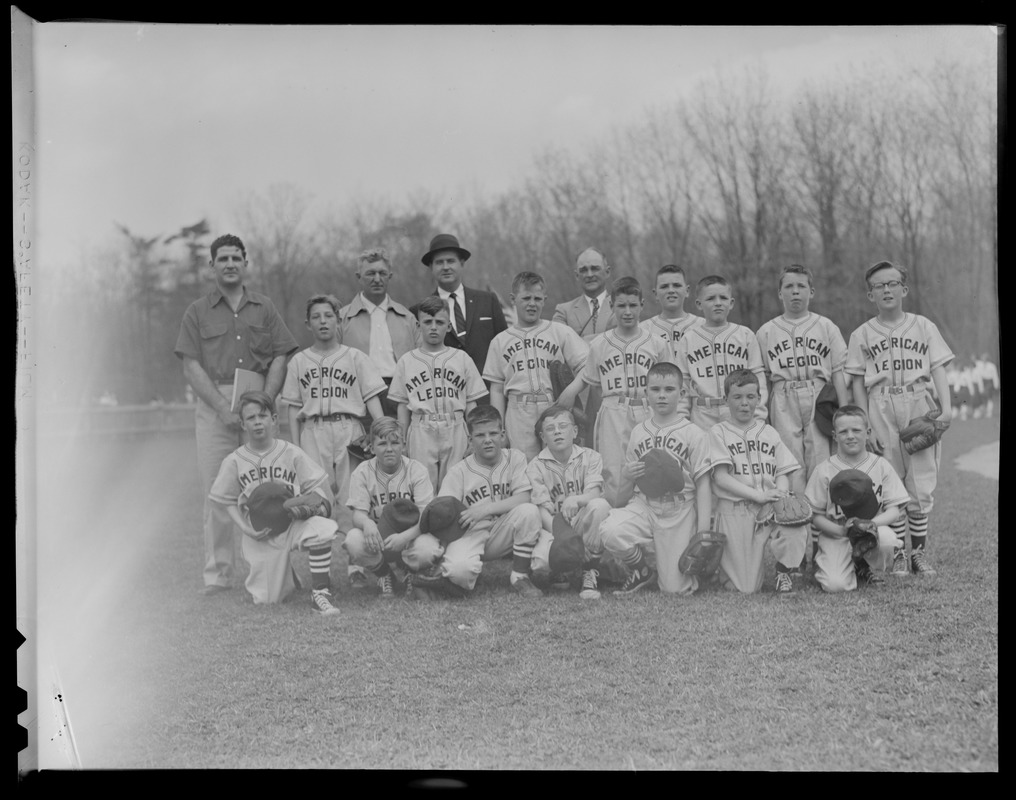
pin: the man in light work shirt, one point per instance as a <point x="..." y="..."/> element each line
<point x="227" y="329"/>
<point x="376" y="324"/>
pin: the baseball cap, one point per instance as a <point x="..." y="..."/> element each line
<point x="567" y="551"/>
<point x="663" y="475"/>
<point x="441" y="519"/>
<point x="265" y="506"/>
<point x="397" y="516"/>
<point x="853" y="492"/>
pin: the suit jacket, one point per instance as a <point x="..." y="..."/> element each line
<point x="575" y="314"/>
<point x="484" y="321"/>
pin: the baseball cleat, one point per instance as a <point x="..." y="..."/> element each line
<point x="900" y="566"/>
<point x="920" y="563"/>
<point x="431" y="576"/>
<point x="525" y="587"/>
<point x="590" y="580"/>
<point x="384" y="583"/>
<point x="321" y="602"/>
<point x="866" y="575"/>
<point x="784" y="584"/>
<point x="358" y="579"/>
<point x="638" y="580"/>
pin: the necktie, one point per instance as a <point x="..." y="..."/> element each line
<point x="460" y="319"/>
<point x="596" y="310"/>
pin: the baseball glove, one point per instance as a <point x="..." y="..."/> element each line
<point x="789" y="510"/>
<point x="266" y="509"/>
<point x="923" y="432"/>
<point x="561" y="377"/>
<point x="702" y="555"/>
<point x="305" y="506"/>
<point x="863" y="535"/>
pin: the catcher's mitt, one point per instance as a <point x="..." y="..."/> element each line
<point x="789" y="510"/>
<point x="863" y="535"/>
<point x="305" y="506"/>
<point x="702" y="555"/>
<point x="923" y="432"/>
<point x="266" y="507"/>
<point x="561" y="377"/>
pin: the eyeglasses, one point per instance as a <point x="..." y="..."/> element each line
<point x="877" y="287"/>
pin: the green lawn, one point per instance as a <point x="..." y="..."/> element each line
<point x="902" y="677"/>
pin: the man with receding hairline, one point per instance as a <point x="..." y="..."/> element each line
<point x="589" y="314"/>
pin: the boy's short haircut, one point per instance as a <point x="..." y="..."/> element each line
<point x="739" y="377"/>
<point x="433" y="305"/>
<point x="228" y="240"/>
<point x="797" y="269"/>
<point x="384" y="427"/>
<point x="374" y="254"/>
<point x="669" y="268"/>
<point x="480" y="415"/>
<point x="849" y="411"/>
<point x="626" y="285"/>
<point x="885" y="265"/>
<point x="527" y="279"/>
<point x="259" y="399"/>
<point x="709" y="280"/>
<point x="330" y="299"/>
<point x="665" y="369"/>
<point x="550" y="413"/>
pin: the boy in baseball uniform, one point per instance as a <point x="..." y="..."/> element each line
<point x="375" y="483"/>
<point x="836" y="570"/>
<point x="897" y="366"/>
<point x="707" y="353"/>
<point x="568" y="479"/>
<point x="499" y="519"/>
<point x="328" y="387"/>
<point x="267" y="459"/>
<point x="618" y="363"/>
<point x="670" y="291"/>
<point x="518" y="359"/>
<point x="802" y="352"/>
<point x="751" y="466"/>
<point x="663" y="524"/>
<point x="435" y="386"/>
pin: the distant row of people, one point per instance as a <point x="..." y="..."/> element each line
<point x="974" y="383"/>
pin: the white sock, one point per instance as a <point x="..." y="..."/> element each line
<point x="515" y="577"/>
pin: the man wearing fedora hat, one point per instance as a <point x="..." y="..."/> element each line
<point x="476" y="315"/>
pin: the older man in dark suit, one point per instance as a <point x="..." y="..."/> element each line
<point x="476" y="315"/>
<point x="589" y="314"/>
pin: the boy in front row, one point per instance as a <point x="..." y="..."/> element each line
<point x="835" y="568"/>
<point x="568" y="479"/>
<point x="265" y="459"/>
<point x="751" y="466"/>
<point x="664" y="524"/>
<point x="897" y="362"/>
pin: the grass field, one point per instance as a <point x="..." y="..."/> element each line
<point x="902" y="677"/>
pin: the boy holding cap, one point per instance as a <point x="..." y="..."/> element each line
<point x="853" y="483"/>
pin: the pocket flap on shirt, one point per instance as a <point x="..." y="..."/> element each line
<point x="211" y="330"/>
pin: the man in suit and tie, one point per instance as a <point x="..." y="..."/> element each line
<point x="476" y="316"/>
<point x="589" y="314"/>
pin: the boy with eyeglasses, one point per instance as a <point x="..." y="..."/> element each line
<point x="897" y="366"/>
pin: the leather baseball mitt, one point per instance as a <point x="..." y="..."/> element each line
<point x="305" y="506"/>
<point x="702" y="555"/>
<point x="789" y="510"/>
<point x="561" y="377"/>
<point x="923" y="432"/>
<point x="863" y="535"/>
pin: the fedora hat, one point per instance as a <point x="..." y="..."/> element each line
<point x="444" y="241"/>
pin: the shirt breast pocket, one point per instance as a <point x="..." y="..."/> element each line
<point x="260" y="343"/>
<point x="212" y="331"/>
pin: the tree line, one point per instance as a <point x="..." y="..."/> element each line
<point x="734" y="178"/>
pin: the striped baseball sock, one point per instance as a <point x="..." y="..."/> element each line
<point x="918" y="529"/>
<point x="814" y="543"/>
<point x="635" y="559"/>
<point x="522" y="559"/>
<point x="320" y="567"/>
<point x="900" y="529"/>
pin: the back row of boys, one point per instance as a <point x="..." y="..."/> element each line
<point x="705" y="402"/>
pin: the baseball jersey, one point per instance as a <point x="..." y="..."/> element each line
<point x="889" y="489"/>
<point x="619" y="366"/>
<point x="371" y="488"/>
<point x="756" y="455"/>
<point x="553" y="481"/>
<point x="339" y="382"/>
<point x="670" y="330"/>
<point x="898" y="355"/>
<point x="244" y="469"/>
<point x="687" y="442"/>
<point x="706" y="356"/>
<point x="437" y="383"/>
<point x="801" y="349"/>
<point x="518" y="357"/>
<point x="472" y="482"/>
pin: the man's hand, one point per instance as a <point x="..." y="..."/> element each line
<point x="873" y="445"/>
<point x="372" y="540"/>
<point x="475" y="513"/>
<point x="228" y="418"/>
<point x="396" y="543"/>
<point x="570" y="508"/>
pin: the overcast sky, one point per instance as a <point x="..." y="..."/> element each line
<point x="156" y="126"/>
